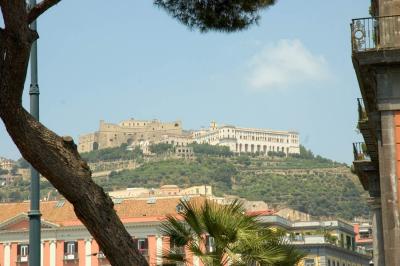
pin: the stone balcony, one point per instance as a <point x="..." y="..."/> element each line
<point x="366" y="170"/>
<point x="375" y="49"/>
<point x="375" y="34"/>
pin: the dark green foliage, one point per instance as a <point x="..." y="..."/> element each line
<point x="305" y="154"/>
<point x="180" y="172"/>
<point x="120" y="153"/>
<point x="322" y="193"/>
<point x="228" y="234"/>
<point x="276" y="154"/>
<point x="309" y="155"/>
<point x="3" y="171"/>
<point x="219" y="15"/>
<point x="207" y="149"/>
<point x="161" y="148"/>
<point x="244" y="160"/>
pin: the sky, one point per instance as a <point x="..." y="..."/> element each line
<point x="129" y="59"/>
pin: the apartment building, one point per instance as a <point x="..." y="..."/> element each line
<point x="6" y="164"/>
<point x="249" y="140"/>
<point x="65" y="241"/>
<point x="326" y="243"/>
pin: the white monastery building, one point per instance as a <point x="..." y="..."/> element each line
<point x="249" y="140"/>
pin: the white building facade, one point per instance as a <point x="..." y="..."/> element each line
<point x="249" y="140"/>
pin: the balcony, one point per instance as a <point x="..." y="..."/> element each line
<point x="360" y="152"/>
<point x="375" y="45"/>
<point x="375" y="33"/>
<point x="366" y="126"/>
<point x="362" y="165"/>
<point x="71" y="256"/>
<point x="362" y="113"/>
<point x="22" y="259"/>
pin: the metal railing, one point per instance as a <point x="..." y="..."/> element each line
<point x="71" y="256"/>
<point x="360" y="151"/>
<point x="362" y="114"/>
<point x="22" y="259"/>
<point x="375" y="33"/>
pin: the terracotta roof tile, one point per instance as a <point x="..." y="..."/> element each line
<point x="129" y="210"/>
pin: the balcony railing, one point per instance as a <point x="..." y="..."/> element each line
<point x="362" y="114"/>
<point x="71" y="256"/>
<point x="22" y="259"/>
<point x="360" y="151"/>
<point x="375" y="33"/>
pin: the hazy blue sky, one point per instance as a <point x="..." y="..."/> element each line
<point x="119" y="59"/>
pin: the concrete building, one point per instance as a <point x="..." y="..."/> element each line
<point x="6" y="164"/>
<point x="376" y="58"/>
<point x="129" y="131"/>
<point x="163" y="191"/>
<point x="326" y="243"/>
<point x="177" y="140"/>
<point x="249" y="140"/>
<point x="364" y="241"/>
<point x="65" y="241"/>
<point x="186" y="153"/>
<point x="293" y="215"/>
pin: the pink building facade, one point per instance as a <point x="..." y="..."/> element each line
<point x="66" y="242"/>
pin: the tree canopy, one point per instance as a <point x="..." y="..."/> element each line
<point x="220" y="15"/>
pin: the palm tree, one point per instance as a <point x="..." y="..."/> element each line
<point x="219" y="234"/>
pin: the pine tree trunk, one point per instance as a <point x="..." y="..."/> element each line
<point x="56" y="158"/>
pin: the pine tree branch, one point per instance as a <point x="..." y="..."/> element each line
<point x="40" y="8"/>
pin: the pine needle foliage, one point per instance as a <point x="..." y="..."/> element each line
<point x="219" y="234"/>
<point x="217" y="15"/>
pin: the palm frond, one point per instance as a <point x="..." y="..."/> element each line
<point x="238" y="238"/>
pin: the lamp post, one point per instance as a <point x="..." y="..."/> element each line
<point x="34" y="213"/>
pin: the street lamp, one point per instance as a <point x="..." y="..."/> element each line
<point x="34" y="213"/>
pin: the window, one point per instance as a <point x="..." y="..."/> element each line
<point x="70" y="248"/>
<point x="210" y="244"/>
<point x="348" y="242"/>
<point x="142" y="244"/>
<point x="309" y="262"/>
<point x="23" y="250"/>
<point x="329" y="262"/>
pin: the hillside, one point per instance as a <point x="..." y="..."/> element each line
<point x="304" y="182"/>
<point x="317" y="186"/>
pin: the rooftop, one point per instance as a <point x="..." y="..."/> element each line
<point x="62" y="213"/>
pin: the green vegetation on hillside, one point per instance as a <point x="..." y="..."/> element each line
<point x="212" y="150"/>
<point x="319" y="187"/>
<point x="304" y="182"/>
<point x="161" y="148"/>
<point x="119" y="153"/>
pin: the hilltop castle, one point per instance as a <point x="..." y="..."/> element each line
<point x="128" y="131"/>
<point x="238" y="139"/>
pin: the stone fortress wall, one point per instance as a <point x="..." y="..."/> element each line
<point x="128" y="131"/>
